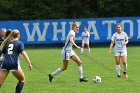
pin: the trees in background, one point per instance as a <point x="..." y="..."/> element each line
<point x="57" y="9"/>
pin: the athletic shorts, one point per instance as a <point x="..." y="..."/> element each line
<point x="120" y="53"/>
<point x="11" y="68"/>
<point x="67" y="54"/>
<point x="85" y="41"/>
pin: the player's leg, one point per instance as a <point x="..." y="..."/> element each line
<point x="21" y="78"/>
<point x="88" y="48"/>
<point x="82" y="48"/>
<point x="117" y="60"/>
<point x="65" y="57"/>
<point x="59" y="70"/>
<point x="3" y="75"/>
<point x="76" y="59"/>
<point x="124" y="61"/>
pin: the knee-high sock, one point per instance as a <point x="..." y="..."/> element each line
<point x="58" y="71"/>
<point x="81" y="50"/>
<point x="80" y="70"/>
<point x="19" y="87"/>
<point x="89" y="51"/>
<point x="125" y="68"/>
<point x="118" y="69"/>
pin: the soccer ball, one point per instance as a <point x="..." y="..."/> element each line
<point x="97" y="79"/>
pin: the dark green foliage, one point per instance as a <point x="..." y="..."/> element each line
<point x="57" y="9"/>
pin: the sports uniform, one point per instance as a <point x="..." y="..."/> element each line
<point x="67" y="51"/>
<point x="120" y="47"/>
<point x="85" y="38"/>
<point x="12" y="50"/>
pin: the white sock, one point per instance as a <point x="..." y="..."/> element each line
<point x="118" y="69"/>
<point x="81" y="50"/>
<point x="80" y="70"/>
<point x="56" y="72"/>
<point x="124" y="68"/>
<point x="88" y="51"/>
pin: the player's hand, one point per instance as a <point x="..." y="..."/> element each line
<point x="125" y="43"/>
<point x="110" y="51"/>
<point x="78" y="47"/>
<point x="30" y="67"/>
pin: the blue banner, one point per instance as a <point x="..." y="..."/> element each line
<point x="55" y="31"/>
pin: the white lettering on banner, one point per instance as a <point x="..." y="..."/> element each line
<point x="91" y="25"/>
<point x="55" y="30"/>
<point x="138" y="29"/>
<point x="109" y="23"/>
<point x="59" y="29"/>
<point x="30" y="36"/>
<point x="131" y="26"/>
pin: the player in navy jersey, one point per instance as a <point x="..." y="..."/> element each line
<point x="11" y="51"/>
<point x="2" y="37"/>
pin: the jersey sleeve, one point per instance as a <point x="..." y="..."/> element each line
<point x="72" y="33"/>
<point x="126" y="37"/>
<point x="88" y="34"/>
<point x="21" y="47"/>
<point x="113" y="37"/>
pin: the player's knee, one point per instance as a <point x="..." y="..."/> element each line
<point x="80" y="63"/>
<point x="22" y="79"/>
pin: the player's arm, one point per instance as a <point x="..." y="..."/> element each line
<point x="27" y="59"/>
<point x="72" y="41"/>
<point x="88" y="38"/>
<point x="82" y="36"/>
<point x="111" y="45"/>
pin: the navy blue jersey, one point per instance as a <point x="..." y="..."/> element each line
<point x="1" y="40"/>
<point x="12" y="50"/>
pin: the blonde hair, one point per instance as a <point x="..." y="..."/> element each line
<point x="119" y="24"/>
<point x="16" y="33"/>
<point x="74" y="23"/>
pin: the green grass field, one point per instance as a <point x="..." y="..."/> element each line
<point x="47" y="60"/>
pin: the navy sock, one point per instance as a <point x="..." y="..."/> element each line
<point x="19" y="87"/>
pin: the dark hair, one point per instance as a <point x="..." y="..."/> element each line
<point x="8" y="32"/>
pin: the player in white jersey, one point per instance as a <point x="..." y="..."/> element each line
<point x="85" y="40"/>
<point x="120" y="39"/>
<point x="68" y="53"/>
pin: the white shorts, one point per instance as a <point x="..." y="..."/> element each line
<point x="66" y="54"/>
<point x="85" y="41"/>
<point x="120" y="53"/>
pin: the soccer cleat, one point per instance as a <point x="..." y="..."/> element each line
<point x="118" y="76"/>
<point x="50" y="77"/>
<point x="125" y="76"/>
<point x="83" y="79"/>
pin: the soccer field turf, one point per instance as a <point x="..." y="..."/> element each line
<point x="47" y="60"/>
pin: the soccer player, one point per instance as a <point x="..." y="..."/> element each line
<point x="67" y="53"/>
<point x="120" y="39"/>
<point x="85" y="40"/>
<point x="2" y="37"/>
<point x="11" y="51"/>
